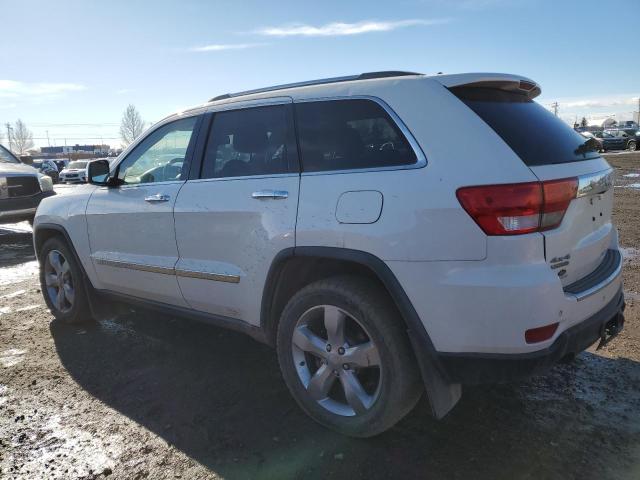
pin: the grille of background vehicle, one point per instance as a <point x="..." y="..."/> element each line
<point x="22" y="186"/>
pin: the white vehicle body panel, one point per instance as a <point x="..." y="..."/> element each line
<point x="473" y="293"/>
<point x="232" y="238"/>
<point x="133" y="242"/>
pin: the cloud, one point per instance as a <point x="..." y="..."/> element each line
<point x="603" y="102"/>
<point x="336" y="29"/>
<point x="17" y="89"/>
<point x="220" y="47"/>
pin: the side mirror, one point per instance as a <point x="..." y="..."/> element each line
<point x="98" y="172"/>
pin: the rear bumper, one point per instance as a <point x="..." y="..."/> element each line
<point x="476" y="368"/>
<point x="21" y="208"/>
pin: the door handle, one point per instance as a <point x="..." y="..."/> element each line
<point x="270" y="194"/>
<point x="157" y="198"/>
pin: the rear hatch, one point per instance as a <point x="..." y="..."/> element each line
<point x="553" y="151"/>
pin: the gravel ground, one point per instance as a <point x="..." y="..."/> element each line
<point x="145" y="396"/>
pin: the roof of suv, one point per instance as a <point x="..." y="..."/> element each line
<point x="329" y="86"/>
<point x="495" y="80"/>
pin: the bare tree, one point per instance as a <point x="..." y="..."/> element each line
<point x="131" y="125"/>
<point x="21" y="137"/>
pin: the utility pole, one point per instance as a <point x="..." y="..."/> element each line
<point x="9" y="134"/>
<point x="554" y="105"/>
<point x="48" y="142"/>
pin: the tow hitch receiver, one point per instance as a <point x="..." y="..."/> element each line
<point x="610" y="329"/>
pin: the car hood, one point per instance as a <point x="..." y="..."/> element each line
<point x="12" y="168"/>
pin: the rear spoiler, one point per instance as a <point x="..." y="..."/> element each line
<point x="499" y="81"/>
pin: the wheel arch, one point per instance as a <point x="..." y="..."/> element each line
<point x="323" y="261"/>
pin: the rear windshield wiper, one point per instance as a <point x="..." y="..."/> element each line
<point x="590" y="145"/>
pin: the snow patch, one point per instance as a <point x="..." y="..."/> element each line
<point x="27" y="308"/>
<point x="14" y="294"/>
<point x="24" y="271"/>
<point x="635" y="186"/>
<point x="632" y="175"/>
<point x="11" y="357"/>
<point x="629" y="253"/>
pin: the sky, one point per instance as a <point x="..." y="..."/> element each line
<point x="69" y="68"/>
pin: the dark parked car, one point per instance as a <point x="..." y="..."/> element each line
<point x="22" y="188"/>
<point x="617" y="140"/>
<point x="47" y="167"/>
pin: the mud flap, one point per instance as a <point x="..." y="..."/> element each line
<point x="442" y="394"/>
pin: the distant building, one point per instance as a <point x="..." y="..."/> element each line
<point x="63" y="150"/>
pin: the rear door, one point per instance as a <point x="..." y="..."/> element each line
<point x="552" y="150"/>
<point x="239" y="212"/>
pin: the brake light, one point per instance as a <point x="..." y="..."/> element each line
<point x="518" y="208"/>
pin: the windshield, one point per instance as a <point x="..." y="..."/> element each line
<point x="6" y="156"/>
<point x="77" y="165"/>
<point x="536" y="135"/>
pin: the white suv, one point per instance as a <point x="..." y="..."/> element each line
<point x="351" y="225"/>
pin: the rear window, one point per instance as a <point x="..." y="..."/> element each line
<point x="536" y="135"/>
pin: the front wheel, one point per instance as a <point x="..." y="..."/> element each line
<point x="62" y="282"/>
<point x="346" y="358"/>
<point x="632" y="146"/>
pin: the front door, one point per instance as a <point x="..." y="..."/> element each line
<point x="131" y="228"/>
<point x="234" y="219"/>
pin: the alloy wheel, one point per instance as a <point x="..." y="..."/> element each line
<point x="59" y="281"/>
<point x="336" y="360"/>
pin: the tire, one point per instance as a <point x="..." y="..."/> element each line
<point x="632" y="146"/>
<point x="74" y="305"/>
<point x="381" y="394"/>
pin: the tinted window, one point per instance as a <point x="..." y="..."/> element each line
<point x="348" y="134"/>
<point x="252" y="141"/>
<point x="160" y="156"/>
<point x="6" y="156"/>
<point x="536" y="135"/>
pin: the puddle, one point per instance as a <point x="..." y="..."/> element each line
<point x="635" y="186"/>
<point x="11" y="357"/>
<point x="24" y="271"/>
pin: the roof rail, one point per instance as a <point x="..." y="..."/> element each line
<point x="322" y="81"/>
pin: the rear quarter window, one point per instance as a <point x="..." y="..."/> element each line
<point x="536" y="135"/>
<point x="349" y="134"/>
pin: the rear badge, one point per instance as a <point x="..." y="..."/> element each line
<point x="558" y="262"/>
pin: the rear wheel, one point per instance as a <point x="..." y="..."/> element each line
<point x="346" y="358"/>
<point x="632" y="146"/>
<point x="62" y="282"/>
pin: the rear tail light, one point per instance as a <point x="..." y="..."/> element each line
<point x="540" y="334"/>
<point x="517" y="208"/>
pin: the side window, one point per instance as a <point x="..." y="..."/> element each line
<point x="348" y="134"/>
<point x="159" y="157"/>
<point x="251" y="141"/>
